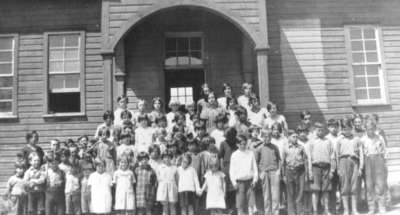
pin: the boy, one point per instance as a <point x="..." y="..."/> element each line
<point x="244" y="175"/>
<point x="254" y="141"/>
<point x="374" y="154"/>
<point x="269" y="164"/>
<point x="333" y="136"/>
<point x="35" y="180"/>
<point x="55" y="183"/>
<point x="73" y="191"/>
<point x="322" y="167"/>
<point x="16" y="189"/>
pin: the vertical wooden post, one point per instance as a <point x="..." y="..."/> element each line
<point x="108" y="59"/>
<point x="263" y="80"/>
<point x="119" y="71"/>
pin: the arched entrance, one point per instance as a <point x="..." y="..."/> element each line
<point x="173" y="48"/>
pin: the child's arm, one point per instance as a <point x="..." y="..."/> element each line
<point x="196" y="181"/>
<point x="223" y="185"/>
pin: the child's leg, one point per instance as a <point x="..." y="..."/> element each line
<point x="165" y="208"/>
<point x="190" y="210"/>
<point x="315" y="198"/>
<point x="184" y="210"/>
<point x="172" y="208"/>
<point x="148" y="211"/>
<point x="325" y="200"/>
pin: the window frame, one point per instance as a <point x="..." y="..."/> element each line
<point x="14" y="107"/>
<point x="381" y="60"/>
<point x="82" y="89"/>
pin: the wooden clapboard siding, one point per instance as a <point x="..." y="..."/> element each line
<point x="307" y="44"/>
<point x="30" y="20"/>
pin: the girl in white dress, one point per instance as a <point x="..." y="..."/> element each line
<point x="124" y="192"/>
<point x="215" y="185"/>
<point x="167" y="191"/>
<point x="100" y="183"/>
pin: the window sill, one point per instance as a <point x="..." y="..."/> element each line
<point x="371" y="105"/>
<point x="8" y="117"/>
<point x="63" y="115"/>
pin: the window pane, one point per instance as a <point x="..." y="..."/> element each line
<point x="56" y="54"/>
<point x="374" y="93"/>
<point x="189" y="91"/>
<point x="72" y="66"/>
<point x="6" y="81"/>
<point x="355" y="33"/>
<point x="183" y="44"/>
<point x="56" y="40"/>
<point x="174" y="92"/>
<point x="181" y="100"/>
<point x="372" y="69"/>
<point x="5" y="94"/>
<point x="72" y="81"/>
<point x="5" y="56"/>
<point x="359" y="82"/>
<point x="56" y="66"/>
<point x="358" y="57"/>
<point x="72" y="40"/>
<point x="64" y="102"/>
<point x="372" y="57"/>
<point x="5" y="107"/>
<point x="56" y="82"/>
<point x="6" y="43"/>
<point x="369" y="33"/>
<point x="196" y="58"/>
<point x="361" y="94"/>
<point x="170" y="59"/>
<point x="370" y="45"/>
<point x="356" y="46"/>
<point x="358" y="70"/>
<point x="181" y="91"/>
<point x="195" y="43"/>
<point x="72" y="54"/>
<point x="6" y="69"/>
<point x="373" y="81"/>
<point x="170" y="44"/>
<point x="183" y="58"/>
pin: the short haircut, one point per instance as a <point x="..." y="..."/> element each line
<point x="126" y="114"/>
<point x="122" y="97"/>
<point x="253" y="100"/>
<point x="240" y="110"/>
<point x="346" y="123"/>
<point x="154" y="148"/>
<point x="254" y="128"/>
<point x="142" y="155"/>
<point x="53" y="157"/>
<point x="82" y="137"/>
<point x="99" y="161"/>
<point x="319" y="125"/>
<point x="157" y="99"/>
<point x="266" y="131"/>
<point x="160" y="119"/>
<point x="29" y="135"/>
<point x="166" y="154"/>
<point x="65" y="152"/>
<point x="270" y="105"/>
<point x="301" y="128"/>
<point x="246" y="86"/>
<point x="143" y="117"/>
<point x="108" y="114"/>
<point x="333" y="123"/>
<point x="104" y="131"/>
<point x="304" y="113"/>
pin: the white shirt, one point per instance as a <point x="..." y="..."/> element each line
<point x="170" y="118"/>
<point x="219" y="137"/>
<point x="243" y="166"/>
<point x="143" y="139"/>
<point x="259" y="117"/>
<point x="243" y="101"/>
<point x="117" y="116"/>
<point x="281" y="143"/>
<point x="71" y="183"/>
<point x="188" y="179"/>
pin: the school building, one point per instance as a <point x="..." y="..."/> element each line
<point x="63" y="63"/>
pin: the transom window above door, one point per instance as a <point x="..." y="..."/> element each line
<point x="183" y="50"/>
<point x="182" y="94"/>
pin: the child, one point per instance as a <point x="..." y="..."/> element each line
<point x="223" y="101"/>
<point x="333" y="136"/>
<point x="174" y="105"/>
<point x="55" y="185"/>
<point x="275" y="117"/>
<point x="257" y="114"/>
<point x="203" y="102"/>
<point x="188" y="186"/>
<point x="173" y="150"/>
<point x="108" y="118"/>
<point x="244" y="175"/>
<point x="35" y="179"/>
<point x="65" y="165"/>
<point x="214" y="183"/>
<point x="242" y="123"/>
<point x="254" y="140"/>
<point x="55" y="145"/>
<point x="155" y="157"/>
<point x="143" y="134"/>
<point x="191" y="113"/>
<point x="141" y="106"/>
<point x="180" y="124"/>
<point x="208" y="151"/>
<point x="321" y="164"/>
<point x="374" y="153"/>
<point x="210" y="111"/>
<point x="294" y="167"/>
<point x="125" y="148"/>
<point x="73" y="191"/>
<point x="268" y="159"/>
<point x="16" y="189"/>
<point x="157" y="110"/>
<point x="122" y="106"/>
<point x="87" y="168"/>
<point x="105" y="151"/>
<point x="100" y="183"/>
<point x="145" y="185"/>
<point x="243" y="100"/>
<point x="124" y="192"/>
<point x="194" y="154"/>
<point x="167" y="191"/>
<point x="82" y="144"/>
<point x="218" y="132"/>
<point x="350" y="163"/>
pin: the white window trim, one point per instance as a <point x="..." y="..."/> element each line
<point x="382" y="73"/>
<point x="82" y="90"/>
<point x="14" y="100"/>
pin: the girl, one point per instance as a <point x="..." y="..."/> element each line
<point x="122" y="106"/>
<point x="157" y="110"/>
<point x="167" y="191"/>
<point x="232" y="107"/>
<point x="180" y="124"/>
<point x="224" y="100"/>
<point x="32" y="148"/>
<point x="173" y="149"/>
<point x="105" y="151"/>
<point x="203" y="102"/>
<point x="218" y="132"/>
<point x="275" y="118"/>
<point x="257" y="115"/>
<point x="174" y="105"/>
<point x="100" y="183"/>
<point x="16" y="189"/>
<point x="358" y="122"/>
<point x="188" y="186"/>
<point x="208" y="152"/>
<point x="87" y="169"/>
<point x="242" y="123"/>
<point x="145" y="185"/>
<point x="191" y="113"/>
<point x="125" y="148"/>
<point x="155" y="157"/>
<point x="143" y="135"/>
<point x="210" y="112"/>
<point x="141" y="105"/>
<point x="215" y="185"/>
<point x="108" y="118"/>
<point x="124" y="192"/>
<point x="243" y="100"/>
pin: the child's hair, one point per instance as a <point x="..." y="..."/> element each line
<point x="199" y="125"/>
<point x="157" y="99"/>
<point x="304" y="113"/>
<point x="207" y="140"/>
<point x="333" y="123"/>
<point x="266" y="132"/>
<point x="231" y="136"/>
<point x="346" y="123"/>
<point x="179" y="115"/>
<point x="240" y="110"/>
<point x="29" y="135"/>
<point x="291" y="132"/>
<point x="154" y="148"/>
<point x="226" y="86"/>
<point x="221" y="117"/>
<point x="242" y="137"/>
<point x="19" y="165"/>
<point x="122" y="97"/>
<point x="173" y="102"/>
<point x="210" y="93"/>
<point x="105" y="131"/>
<point x="108" y="114"/>
<point x="253" y="100"/>
<point x="123" y="158"/>
<point x="126" y="114"/>
<point x="80" y="138"/>
<point x="65" y="153"/>
<point x="142" y="155"/>
<point x="143" y="117"/>
<point x="187" y="157"/>
<point x="318" y="125"/>
<point x="301" y="128"/>
<point x="270" y="105"/>
<point x="214" y="162"/>
<point x="254" y="128"/>
<point x="20" y="155"/>
<point x="246" y="86"/>
<point x="277" y="126"/>
<point x="193" y="142"/>
<point x="99" y="161"/>
<point x="53" y="157"/>
<point x="70" y="142"/>
<point x="166" y="154"/>
<point x="204" y="86"/>
<point x="160" y="119"/>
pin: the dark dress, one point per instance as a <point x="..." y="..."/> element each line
<point x="146" y="186"/>
<point x="225" y="153"/>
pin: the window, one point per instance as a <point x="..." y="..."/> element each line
<point x="366" y="65"/>
<point x="7" y="75"/>
<point x="182" y="94"/>
<point x="183" y="50"/>
<point x="65" y="73"/>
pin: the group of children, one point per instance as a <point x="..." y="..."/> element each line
<point x="218" y="156"/>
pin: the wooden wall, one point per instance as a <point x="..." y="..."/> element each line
<point x="308" y="64"/>
<point x="30" y="19"/>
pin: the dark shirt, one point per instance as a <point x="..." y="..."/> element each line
<point x="267" y="157"/>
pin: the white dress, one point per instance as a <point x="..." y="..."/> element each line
<point x="167" y="190"/>
<point x="215" y="190"/>
<point x="100" y="187"/>
<point x="124" y="193"/>
<point x="219" y="137"/>
<point x="143" y="139"/>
